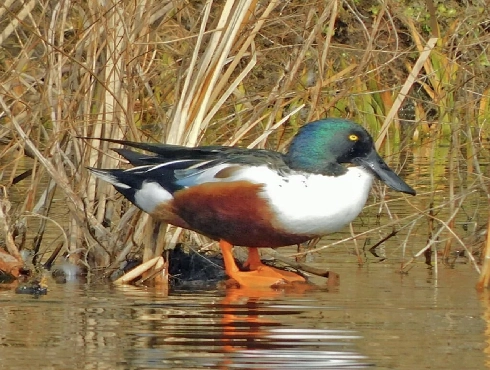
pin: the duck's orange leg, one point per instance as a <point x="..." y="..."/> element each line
<point x="254" y="263"/>
<point x="261" y="276"/>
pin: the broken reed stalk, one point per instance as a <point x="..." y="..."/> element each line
<point x="139" y="270"/>
<point x="159" y="275"/>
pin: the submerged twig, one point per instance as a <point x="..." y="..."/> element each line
<point x="299" y="265"/>
<point x="389" y="236"/>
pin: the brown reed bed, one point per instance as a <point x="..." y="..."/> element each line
<point x="234" y="72"/>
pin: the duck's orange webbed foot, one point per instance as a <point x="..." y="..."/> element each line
<point x="254" y="263"/>
<point x="260" y="276"/>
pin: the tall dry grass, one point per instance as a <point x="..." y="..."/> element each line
<point x="232" y="72"/>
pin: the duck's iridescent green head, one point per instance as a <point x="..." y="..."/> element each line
<point x="323" y="146"/>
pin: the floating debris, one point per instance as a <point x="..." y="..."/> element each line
<point x="34" y="287"/>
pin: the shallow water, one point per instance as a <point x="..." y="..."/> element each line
<point x="376" y="318"/>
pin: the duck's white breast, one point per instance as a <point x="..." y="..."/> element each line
<point x="305" y="203"/>
<point x="316" y="204"/>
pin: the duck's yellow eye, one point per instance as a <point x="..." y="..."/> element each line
<point x="353" y="137"/>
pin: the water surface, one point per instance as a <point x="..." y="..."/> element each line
<point x="376" y="318"/>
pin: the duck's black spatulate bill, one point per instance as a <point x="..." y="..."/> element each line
<point x="373" y="162"/>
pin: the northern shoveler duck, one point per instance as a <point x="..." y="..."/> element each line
<point x="254" y="197"/>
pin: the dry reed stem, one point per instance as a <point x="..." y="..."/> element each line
<point x="286" y="82"/>
<point x="248" y="43"/>
<point x="274" y="127"/>
<point x="23" y="13"/>
<point x="75" y="203"/>
<point x="5" y="226"/>
<point x="412" y="77"/>
<point x="43" y="226"/>
<point x="322" y="65"/>
<point x="484" y="280"/>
